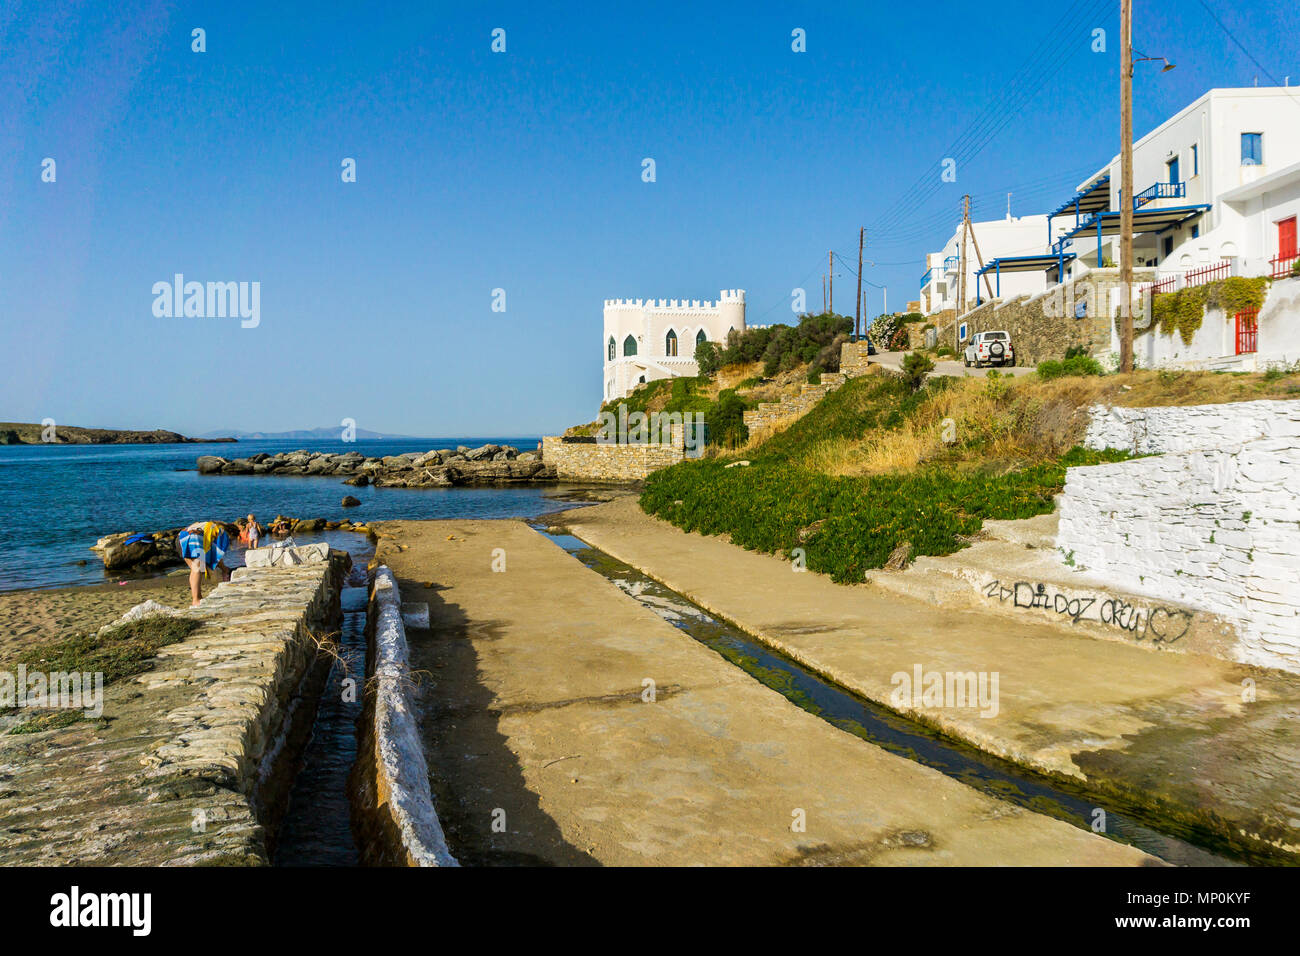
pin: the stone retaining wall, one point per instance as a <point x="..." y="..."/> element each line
<point x="772" y="416"/>
<point x="390" y="782"/>
<point x="1044" y="326"/>
<point x="1215" y="528"/>
<point x="195" y="761"/>
<point x="593" y="461"/>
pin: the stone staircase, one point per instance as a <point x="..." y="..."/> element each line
<point x="774" y="416"/>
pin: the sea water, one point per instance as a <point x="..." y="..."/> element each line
<point x="58" y="500"/>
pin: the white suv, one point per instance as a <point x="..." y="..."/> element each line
<point x="990" y="348"/>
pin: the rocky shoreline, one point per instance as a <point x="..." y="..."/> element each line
<point x="156" y="550"/>
<point x="436" y="468"/>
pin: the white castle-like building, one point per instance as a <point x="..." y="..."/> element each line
<point x="648" y="339"/>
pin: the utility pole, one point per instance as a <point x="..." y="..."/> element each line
<point x="965" y="228"/>
<point x="830" y="271"/>
<point x="857" y="309"/>
<point x="1126" y="187"/>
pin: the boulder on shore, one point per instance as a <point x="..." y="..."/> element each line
<point x="211" y="464"/>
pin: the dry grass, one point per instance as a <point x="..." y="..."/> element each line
<point x="1025" y="419"/>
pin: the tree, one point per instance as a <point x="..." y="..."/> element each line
<point x="708" y="356"/>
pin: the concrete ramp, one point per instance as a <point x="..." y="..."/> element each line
<point x="565" y="723"/>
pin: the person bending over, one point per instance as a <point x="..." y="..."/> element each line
<point x="202" y="545"/>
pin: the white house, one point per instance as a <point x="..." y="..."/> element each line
<point x="1183" y="174"/>
<point x="997" y="238"/>
<point x="1216" y="194"/>
<point x="648" y="339"/>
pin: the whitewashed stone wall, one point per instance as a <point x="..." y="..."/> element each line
<point x="1214" y="527"/>
<point x="1147" y="431"/>
<point x="391" y="780"/>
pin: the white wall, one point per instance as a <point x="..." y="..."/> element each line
<point x="1215" y="342"/>
<point x="1213" y="523"/>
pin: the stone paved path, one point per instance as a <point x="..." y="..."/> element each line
<point x="173" y="775"/>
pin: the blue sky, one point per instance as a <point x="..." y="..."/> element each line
<point x="519" y="171"/>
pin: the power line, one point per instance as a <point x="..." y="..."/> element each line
<point x="1044" y="60"/>
<point x="1242" y="47"/>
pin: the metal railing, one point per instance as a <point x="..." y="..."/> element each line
<point x="925" y="279"/>
<point x="1191" y="279"/>
<point x="1284" y="266"/>
<point x="1159" y="191"/>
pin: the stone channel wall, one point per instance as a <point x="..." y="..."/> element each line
<point x="390" y="782"/>
<point x="195" y="763"/>
<point x="1212" y="522"/>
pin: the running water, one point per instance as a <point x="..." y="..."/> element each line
<point x="317" y="826"/>
<point x="882" y="727"/>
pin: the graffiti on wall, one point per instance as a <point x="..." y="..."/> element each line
<point x="1156" y="623"/>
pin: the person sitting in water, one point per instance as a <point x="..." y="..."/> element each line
<point x="279" y="527"/>
<point x="202" y="545"/>
<point x="252" y="533"/>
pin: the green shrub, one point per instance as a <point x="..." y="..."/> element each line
<point x="1076" y="364"/>
<point x="916" y="366"/>
<point x="816" y="338"/>
<point x="726" y="420"/>
<point x="1184" y="311"/>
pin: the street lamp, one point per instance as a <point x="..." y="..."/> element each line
<point x="1126" y="66"/>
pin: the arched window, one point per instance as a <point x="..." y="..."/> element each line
<point x="700" y="337"/>
<point x="670" y="343"/>
<point x="629" y="345"/>
<point x="611" y="348"/>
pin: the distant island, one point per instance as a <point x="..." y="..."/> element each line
<point x="326" y="433"/>
<point x="26" y="433"/>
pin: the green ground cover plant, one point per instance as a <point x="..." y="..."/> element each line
<point x="850" y="524"/>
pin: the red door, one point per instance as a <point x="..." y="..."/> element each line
<point x="1247" y="331"/>
<point x="1286" y="238"/>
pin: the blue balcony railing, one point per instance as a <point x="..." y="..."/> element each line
<point x="1160" y="191"/>
<point x="925" y="279"/>
<point x="951" y="264"/>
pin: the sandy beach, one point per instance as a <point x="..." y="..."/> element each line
<point x="29" y="618"/>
